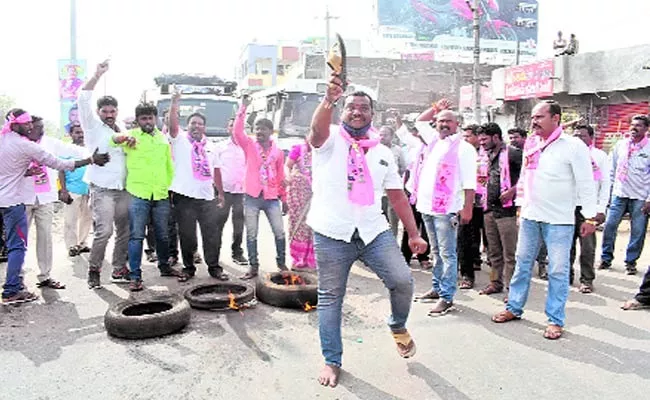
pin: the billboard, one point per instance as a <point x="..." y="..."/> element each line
<point x="503" y="21"/>
<point x="72" y="74"/>
<point x="529" y="81"/>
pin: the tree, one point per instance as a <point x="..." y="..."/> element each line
<point x="6" y="104"/>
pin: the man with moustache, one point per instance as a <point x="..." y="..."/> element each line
<point x="17" y="154"/>
<point x="193" y="192"/>
<point x="557" y="175"/>
<point x="630" y="179"/>
<point x="149" y="174"/>
<point x="109" y="201"/>
<point x="351" y="171"/>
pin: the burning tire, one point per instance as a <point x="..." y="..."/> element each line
<point x="288" y="289"/>
<point x="210" y="296"/>
<point x="147" y="318"/>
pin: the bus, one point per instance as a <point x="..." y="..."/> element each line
<point x="291" y="106"/>
<point x="208" y="95"/>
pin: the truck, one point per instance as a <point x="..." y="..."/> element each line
<point x="209" y="95"/>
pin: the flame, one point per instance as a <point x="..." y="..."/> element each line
<point x="232" y="304"/>
<point x="297" y="280"/>
<point x="308" y="307"/>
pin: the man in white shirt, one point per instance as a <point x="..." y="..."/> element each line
<point x="350" y="173"/>
<point x="40" y="209"/>
<point x="600" y="168"/>
<point x="557" y="175"/>
<point x="630" y="179"/>
<point x="445" y="197"/>
<point x="230" y="160"/>
<point x="193" y="192"/>
<point x="387" y="134"/>
<point x="109" y="201"/>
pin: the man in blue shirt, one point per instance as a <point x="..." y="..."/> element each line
<point x="77" y="217"/>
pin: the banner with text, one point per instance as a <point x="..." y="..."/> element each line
<point x="529" y="81"/>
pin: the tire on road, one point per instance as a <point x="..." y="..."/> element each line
<point x="211" y="296"/>
<point x="272" y="290"/>
<point x="147" y="318"/>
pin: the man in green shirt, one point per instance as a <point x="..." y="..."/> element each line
<point x="149" y="174"/>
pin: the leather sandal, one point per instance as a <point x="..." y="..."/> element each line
<point x="405" y="344"/>
<point x="553" y="332"/>
<point x="490" y="289"/>
<point x="504" y="316"/>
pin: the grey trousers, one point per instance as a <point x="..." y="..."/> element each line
<point x="502" y="245"/>
<point x="110" y="208"/>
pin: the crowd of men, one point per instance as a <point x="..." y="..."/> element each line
<point x="529" y="198"/>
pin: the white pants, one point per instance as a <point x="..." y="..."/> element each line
<point x="76" y="220"/>
<point x="42" y="215"/>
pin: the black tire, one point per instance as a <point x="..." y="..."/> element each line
<point x="210" y="296"/>
<point x="287" y="296"/>
<point x="147" y="318"/>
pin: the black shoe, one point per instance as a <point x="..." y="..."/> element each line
<point x="240" y="259"/>
<point x="152" y="257"/>
<point x="197" y="258"/>
<point x="93" y="279"/>
<point x="630" y="269"/>
<point x="605" y="265"/>
<point x="83" y="249"/>
<point x="167" y="272"/>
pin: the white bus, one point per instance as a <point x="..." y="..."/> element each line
<point x="209" y="96"/>
<point x="291" y="106"/>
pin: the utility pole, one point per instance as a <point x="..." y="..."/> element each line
<point x="476" y="79"/>
<point x="328" y="17"/>
<point x="73" y="29"/>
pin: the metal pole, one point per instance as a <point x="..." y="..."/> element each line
<point x="477" y="60"/>
<point x="73" y="29"/>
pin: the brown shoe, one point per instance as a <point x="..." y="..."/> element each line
<point x="428" y="297"/>
<point x="442" y="307"/>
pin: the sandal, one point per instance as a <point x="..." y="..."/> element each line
<point x="50" y="283"/>
<point x="585" y="288"/>
<point x="504" y="316"/>
<point x="405" y="344"/>
<point x="490" y="289"/>
<point x="553" y="332"/>
<point x="185" y="276"/>
<point x="249" y="275"/>
<point x="466" y="284"/>
<point x="222" y="276"/>
<point x="634" y="304"/>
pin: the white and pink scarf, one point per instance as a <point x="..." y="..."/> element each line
<point x="624" y="162"/>
<point x="200" y="163"/>
<point x="532" y="150"/>
<point x="361" y="190"/>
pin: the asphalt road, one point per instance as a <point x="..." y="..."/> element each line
<point x="57" y="348"/>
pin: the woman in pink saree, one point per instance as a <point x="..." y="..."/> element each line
<point x="301" y="241"/>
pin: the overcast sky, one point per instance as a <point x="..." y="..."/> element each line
<point x="146" y="37"/>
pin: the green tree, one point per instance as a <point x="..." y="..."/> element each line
<point x="6" y="104"/>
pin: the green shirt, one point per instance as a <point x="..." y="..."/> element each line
<point x="149" y="167"/>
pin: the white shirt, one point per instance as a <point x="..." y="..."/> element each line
<point x="602" y="186"/>
<point x="563" y="179"/>
<point x="637" y="184"/>
<point x="184" y="182"/>
<point x="58" y="149"/>
<point x="98" y="135"/>
<point x="414" y="144"/>
<point x="230" y="159"/>
<point x="465" y="178"/>
<point x="331" y="213"/>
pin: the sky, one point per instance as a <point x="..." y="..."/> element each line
<point x="146" y="37"/>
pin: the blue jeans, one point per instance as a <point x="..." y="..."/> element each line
<point x="334" y="259"/>
<point x="558" y="239"/>
<point x="638" y="224"/>
<point x="273" y="211"/>
<point x="140" y="211"/>
<point x="15" y="225"/>
<point x="443" y="233"/>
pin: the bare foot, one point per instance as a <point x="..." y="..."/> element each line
<point x="329" y="376"/>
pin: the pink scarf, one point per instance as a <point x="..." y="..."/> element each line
<point x="361" y="190"/>
<point x="200" y="164"/>
<point x="598" y="175"/>
<point x="267" y="170"/>
<point x="504" y="177"/>
<point x="443" y="191"/>
<point x="532" y="150"/>
<point x="21" y="119"/>
<point x="623" y="164"/>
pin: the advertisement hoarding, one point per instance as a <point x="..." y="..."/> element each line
<point x="529" y="81"/>
<point x="72" y="74"/>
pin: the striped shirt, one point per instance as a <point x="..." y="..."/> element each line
<point x="637" y="184"/>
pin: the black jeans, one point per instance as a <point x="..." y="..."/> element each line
<point x="188" y="212"/>
<point x="234" y="201"/>
<point x="587" y="252"/>
<point x="469" y="243"/>
<point x="644" y="291"/>
<point x="406" y="250"/>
